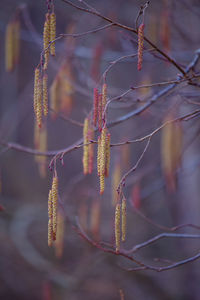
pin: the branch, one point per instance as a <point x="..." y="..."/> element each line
<point x="96" y="13"/>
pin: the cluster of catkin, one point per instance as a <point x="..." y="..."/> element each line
<point x="49" y="35"/>
<point x="52" y="211"/>
<point x="12" y="44"/>
<point x="103" y="150"/>
<point x="140" y="45"/>
<point x="40" y="98"/>
<point x="120" y="223"/>
<point x="88" y="148"/>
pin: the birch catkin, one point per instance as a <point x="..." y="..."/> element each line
<point x="45" y="95"/>
<point x="35" y="93"/>
<point x="117" y="226"/>
<point x="140" y="45"/>
<point x="123" y="219"/>
<point x="54" y="204"/>
<point x="46" y="39"/>
<point x="39" y="103"/>
<point x="102" y="160"/>
<point x="52" y="33"/>
<point x="85" y="147"/>
<point x="50" y="222"/>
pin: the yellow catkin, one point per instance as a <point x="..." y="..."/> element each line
<point x="45" y="95"/>
<point x="117" y="226"/>
<point x="123" y="219"/>
<point x="107" y="166"/>
<point x="9" y="48"/>
<point x="85" y="147"/>
<point x="98" y="155"/>
<point x="55" y="204"/>
<point x="35" y="93"/>
<point x="50" y="222"/>
<point x="59" y="243"/>
<point x="46" y="39"/>
<point x="52" y="33"/>
<point x="103" y="160"/>
<point x="16" y="41"/>
<point x="39" y="103"/>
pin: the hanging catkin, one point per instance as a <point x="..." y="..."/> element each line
<point x="50" y="222"/>
<point x="140" y="45"/>
<point x="117" y="226"/>
<point x="35" y="93"/>
<point x="46" y="39"/>
<point x="103" y="160"/>
<point x="123" y="219"/>
<point x="45" y="94"/>
<point x="52" y="33"/>
<point x="39" y="103"/>
<point x="85" y="147"/>
<point x="54" y="204"/>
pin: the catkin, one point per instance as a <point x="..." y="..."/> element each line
<point x="50" y="222"/>
<point x="107" y="165"/>
<point x="9" y="48"/>
<point x="55" y="204"/>
<point x="140" y="45"/>
<point x="45" y="95"/>
<point x="39" y="103"/>
<point x="98" y="155"/>
<point x="46" y="39"/>
<point x="117" y="226"/>
<point x="103" y="160"/>
<point x="95" y="106"/>
<point x="59" y="243"/>
<point x="52" y="33"/>
<point x="85" y="147"/>
<point x="35" y="93"/>
<point x="123" y="219"/>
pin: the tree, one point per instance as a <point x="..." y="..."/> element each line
<point x="124" y="79"/>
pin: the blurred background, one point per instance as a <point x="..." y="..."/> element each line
<point x="162" y="193"/>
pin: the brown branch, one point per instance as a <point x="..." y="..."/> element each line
<point x="96" y="13"/>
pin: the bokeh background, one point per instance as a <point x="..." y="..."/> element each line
<point x="29" y="269"/>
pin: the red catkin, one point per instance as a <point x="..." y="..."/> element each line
<point x="140" y="45"/>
